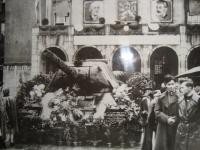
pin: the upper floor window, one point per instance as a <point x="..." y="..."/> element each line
<point x="48" y="12"/>
<point x="61" y="11"/>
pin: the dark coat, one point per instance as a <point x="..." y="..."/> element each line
<point x="11" y="111"/>
<point x="165" y="107"/>
<point x="8" y="114"/>
<point x="3" y="117"/>
<point x="188" y="132"/>
<point x="149" y="123"/>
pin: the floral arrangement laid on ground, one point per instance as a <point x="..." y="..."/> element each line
<point x="138" y="83"/>
<point x="31" y="90"/>
<point x="41" y="109"/>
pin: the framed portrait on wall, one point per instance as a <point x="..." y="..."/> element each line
<point x="161" y="10"/>
<point x="93" y="11"/>
<point x="194" y="7"/>
<point x="127" y="10"/>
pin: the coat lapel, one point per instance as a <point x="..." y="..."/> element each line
<point x="167" y="102"/>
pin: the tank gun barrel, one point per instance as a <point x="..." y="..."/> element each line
<point x="94" y="78"/>
<point x="59" y="63"/>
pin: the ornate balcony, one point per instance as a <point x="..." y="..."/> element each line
<point x="169" y="29"/>
<point x="91" y="30"/>
<point x="120" y="29"/>
<point x="193" y="29"/>
<point x="54" y="30"/>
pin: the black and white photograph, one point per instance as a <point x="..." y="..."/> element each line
<point x="99" y="74"/>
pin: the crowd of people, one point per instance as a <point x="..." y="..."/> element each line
<point x="172" y="114"/>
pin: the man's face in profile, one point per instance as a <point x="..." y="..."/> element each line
<point x="184" y="89"/>
<point x="161" y="9"/>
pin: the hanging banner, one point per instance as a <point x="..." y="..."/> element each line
<point x="194" y="7"/>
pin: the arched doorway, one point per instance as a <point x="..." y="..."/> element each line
<point x="163" y="61"/>
<point x="126" y="59"/>
<point x="88" y="53"/>
<point x="48" y="65"/>
<point x="194" y="58"/>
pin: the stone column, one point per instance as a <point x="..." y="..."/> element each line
<point x="34" y="55"/>
<point x="145" y="59"/>
<point x="109" y="52"/>
<point x="183" y="50"/>
<point x="71" y="49"/>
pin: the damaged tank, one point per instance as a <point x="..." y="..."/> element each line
<point x="92" y="78"/>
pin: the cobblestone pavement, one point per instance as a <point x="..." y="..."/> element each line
<point x="53" y="147"/>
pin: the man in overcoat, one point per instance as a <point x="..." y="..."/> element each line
<point x="166" y="111"/>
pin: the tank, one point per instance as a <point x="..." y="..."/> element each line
<point x="94" y="78"/>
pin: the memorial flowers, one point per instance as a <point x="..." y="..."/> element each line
<point x="60" y="108"/>
<point x="28" y="91"/>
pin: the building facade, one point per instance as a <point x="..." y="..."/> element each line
<point x="18" y="42"/>
<point x="153" y="36"/>
<point x="2" y="34"/>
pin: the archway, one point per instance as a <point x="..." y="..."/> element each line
<point x="88" y="53"/>
<point x="164" y="60"/>
<point x="194" y="58"/>
<point x="48" y="65"/>
<point x="126" y="59"/>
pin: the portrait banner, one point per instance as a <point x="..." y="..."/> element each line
<point x="93" y="11"/>
<point x="161" y="10"/>
<point x="127" y="10"/>
<point x="194" y="7"/>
